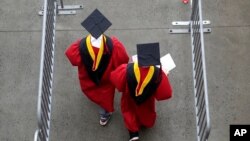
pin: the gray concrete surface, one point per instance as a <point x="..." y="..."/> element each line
<point x="74" y="118"/>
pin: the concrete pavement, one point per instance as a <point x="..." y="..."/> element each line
<point x="74" y="118"/>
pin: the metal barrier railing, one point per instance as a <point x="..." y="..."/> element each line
<point x="46" y="71"/>
<point x="199" y="72"/>
<point x="49" y="12"/>
<point x="196" y="29"/>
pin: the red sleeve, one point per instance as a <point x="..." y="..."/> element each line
<point x="120" y="54"/>
<point x="118" y="77"/>
<point x="73" y="53"/>
<point x="164" y="90"/>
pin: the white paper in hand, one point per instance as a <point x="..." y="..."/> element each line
<point x="167" y="63"/>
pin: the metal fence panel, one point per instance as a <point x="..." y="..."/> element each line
<point x="199" y="72"/>
<point x="46" y="71"/>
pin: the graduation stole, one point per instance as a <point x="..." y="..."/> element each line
<point x="141" y="91"/>
<point x="96" y="64"/>
<point x="96" y="59"/>
<point x="140" y="88"/>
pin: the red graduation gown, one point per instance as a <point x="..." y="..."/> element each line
<point x="144" y="114"/>
<point x="103" y="94"/>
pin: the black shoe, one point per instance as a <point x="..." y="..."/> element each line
<point x="134" y="136"/>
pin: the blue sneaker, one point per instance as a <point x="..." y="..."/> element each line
<point x="104" y="119"/>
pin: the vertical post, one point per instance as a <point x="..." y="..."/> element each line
<point x="61" y="1"/>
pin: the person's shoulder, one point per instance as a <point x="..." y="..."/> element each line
<point x="114" y="39"/>
<point x="117" y="43"/>
<point x="76" y="42"/>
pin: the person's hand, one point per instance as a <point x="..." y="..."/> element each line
<point x="165" y="71"/>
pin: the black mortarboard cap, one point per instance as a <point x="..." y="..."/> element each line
<point x="96" y="23"/>
<point x="148" y="54"/>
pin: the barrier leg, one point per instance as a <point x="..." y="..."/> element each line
<point x="65" y="9"/>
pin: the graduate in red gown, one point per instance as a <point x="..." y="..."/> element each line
<point x="141" y="83"/>
<point x="96" y="56"/>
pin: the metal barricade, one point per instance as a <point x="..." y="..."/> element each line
<point x="46" y="71"/>
<point x="196" y="29"/>
<point x="199" y="72"/>
<point x="49" y="11"/>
